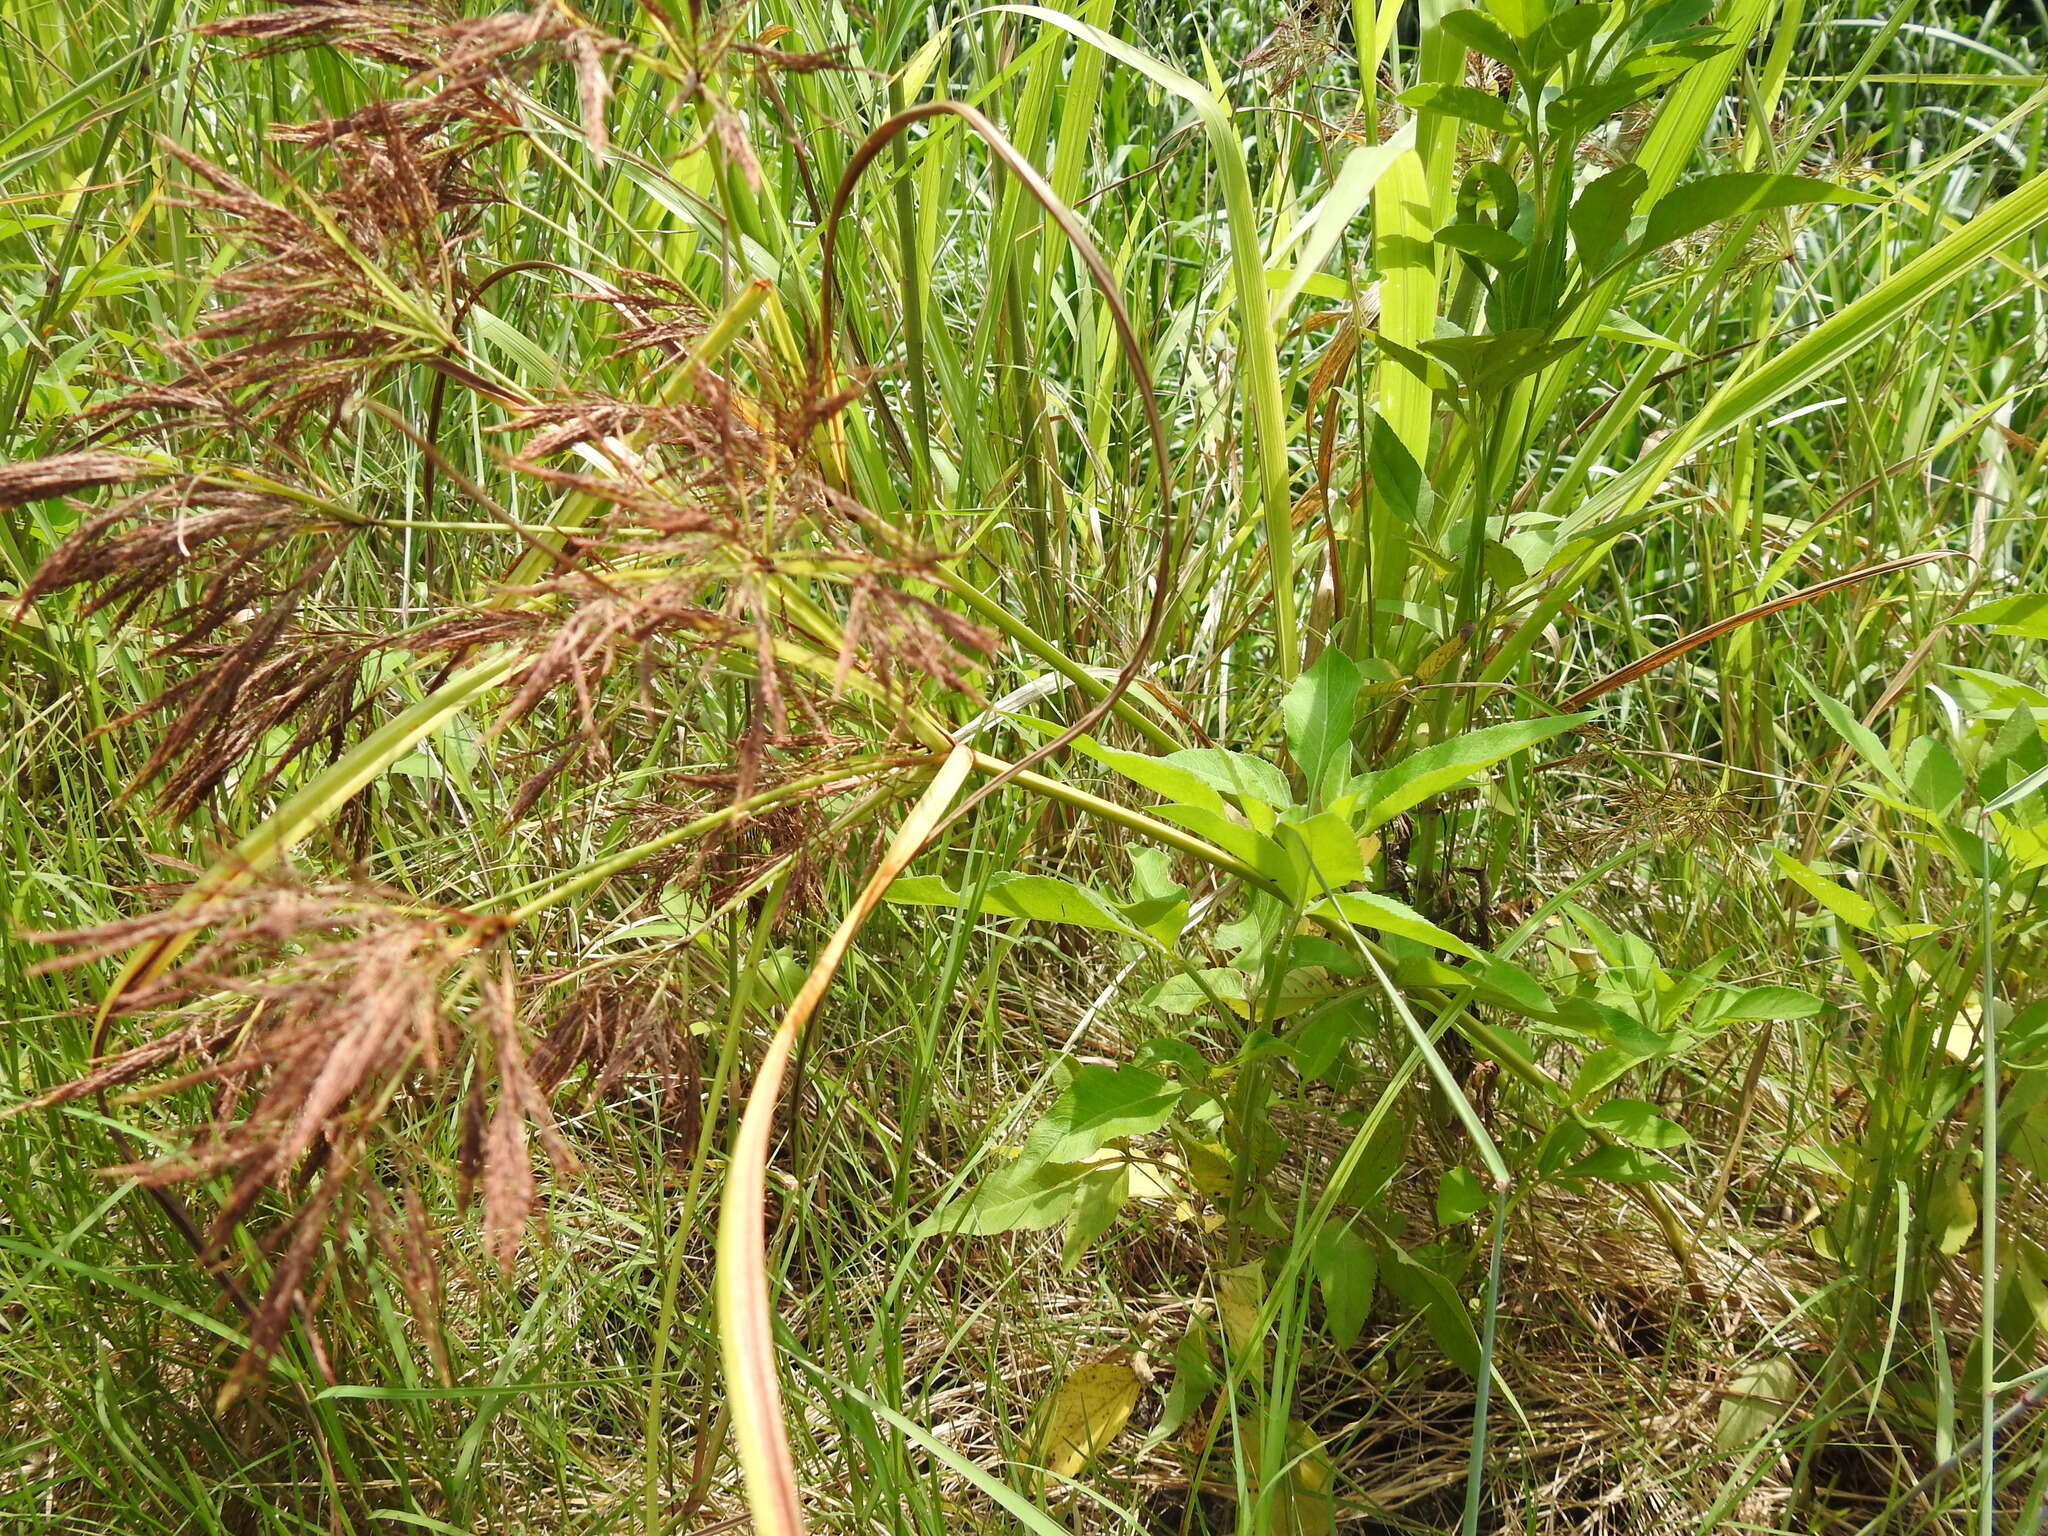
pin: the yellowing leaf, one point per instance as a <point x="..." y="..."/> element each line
<point x="1209" y="1169"/>
<point x="1300" y="1499"/>
<point x="1952" y="1215"/>
<point x="1238" y="1294"/>
<point x="1753" y="1402"/>
<point x="1087" y="1411"/>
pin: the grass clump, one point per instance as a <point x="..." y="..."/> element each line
<point x="1033" y="768"/>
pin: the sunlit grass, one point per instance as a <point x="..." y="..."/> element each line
<point x="623" y="611"/>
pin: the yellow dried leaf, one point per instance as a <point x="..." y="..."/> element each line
<point x="1087" y="1411"/>
<point x="1952" y="1216"/>
<point x="1210" y="1170"/>
<point x="1238" y="1293"/>
<point x="1754" y="1400"/>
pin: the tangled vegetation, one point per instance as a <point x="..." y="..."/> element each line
<point x="904" y="768"/>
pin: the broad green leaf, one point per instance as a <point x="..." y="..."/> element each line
<point x="1520" y="17"/>
<point x="923" y="891"/>
<point x="1163" y="778"/>
<point x="1016" y="1198"/>
<point x="1486" y="364"/>
<point x="1670" y="19"/>
<point x="1459" y="1196"/>
<point x="1482" y="34"/>
<point x="1383" y="914"/>
<point x="1242" y="994"/>
<point x="1471" y="237"/>
<point x="1563" y="35"/>
<point x="1766" y="1004"/>
<point x="1330" y="850"/>
<point x="2024" y="616"/>
<point x="1097" y="1203"/>
<point x="1383" y="795"/>
<point x="1427" y="1292"/>
<point x="1619" y="327"/>
<point x="1593" y="101"/>
<point x="1319" y="712"/>
<point x="1239" y="1293"/>
<point x="2026" y="1136"/>
<point x="1255" y="849"/>
<point x="1047" y="1183"/>
<point x="1855" y="910"/>
<point x="1606" y="1022"/>
<point x="1164" y="918"/>
<point x="1563" y="1142"/>
<point x="1505" y="984"/>
<point x="1618" y="1165"/>
<point x="1045" y="899"/>
<point x="2010" y="767"/>
<point x="1934" y="779"/>
<point x="1639" y="1124"/>
<point x="1250" y="779"/>
<point x="1316" y="1044"/>
<point x="1098" y="1106"/>
<point x="1465" y="102"/>
<point x="1039" y="898"/>
<point x="1710" y="199"/>
<point x="1396" y="477"/>
<point x="1347" y="1275"/>
<point x="1194" y="1378"/>
<point x="1952" y="1215"/>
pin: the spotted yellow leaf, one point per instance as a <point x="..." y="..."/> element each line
<point x="1087" y="1411"/>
